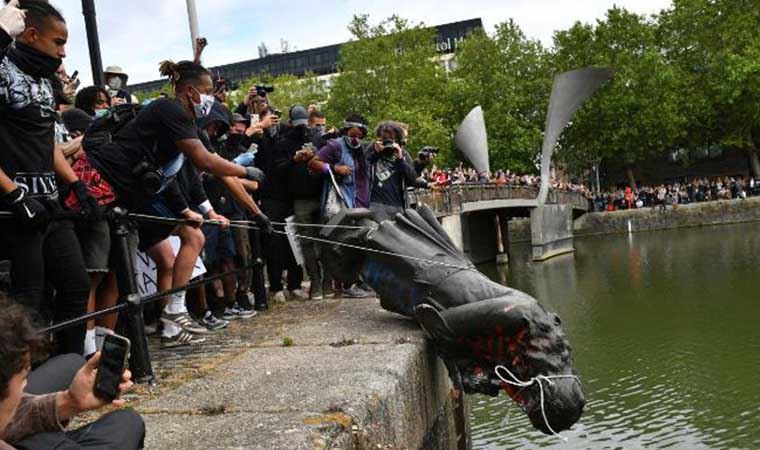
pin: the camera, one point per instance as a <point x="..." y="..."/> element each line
<point x="388" y="147"/>
<point x="149" y="177"/>
<point x="427" y="153"/>
<point x="262" y="89"/>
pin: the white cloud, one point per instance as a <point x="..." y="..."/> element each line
<point x="139" y="33"/>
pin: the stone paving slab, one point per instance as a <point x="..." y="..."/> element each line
<point x="351" y="376"/>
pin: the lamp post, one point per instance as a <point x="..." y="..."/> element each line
<point x="93" y="42"/>
<point x="192" y="18"/>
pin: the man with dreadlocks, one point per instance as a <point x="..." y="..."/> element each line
<point x="30" y="165"/>
<point x="142" y="162"/>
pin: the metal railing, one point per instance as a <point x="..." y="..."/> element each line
<point x="450" y="200"/>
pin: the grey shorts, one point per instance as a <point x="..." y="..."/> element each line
<point x="95" y="240"/>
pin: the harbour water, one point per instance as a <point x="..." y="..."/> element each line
<point x="665" y="329"/>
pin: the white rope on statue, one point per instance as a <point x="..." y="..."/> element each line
<point x="316" y="225"/>
<point x="537" y="379"/>
<point x="364" y="249"/>
<point x="245" y="224"/>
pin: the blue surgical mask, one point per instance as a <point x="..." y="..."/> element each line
<point x="100" y="113"/>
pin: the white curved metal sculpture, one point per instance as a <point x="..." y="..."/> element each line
<point x="570" y="91"/>
<point x="472" y="140"/>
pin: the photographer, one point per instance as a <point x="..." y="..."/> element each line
<point x="391" y="170"/>
<point x="255" y="102"/>
<point x="424" y="158"/>
<point x="33" y="422"/>
<point x="116" y="81"/>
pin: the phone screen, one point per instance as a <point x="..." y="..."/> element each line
<point x="113" y="357"/>
<point x="255" y="119"/>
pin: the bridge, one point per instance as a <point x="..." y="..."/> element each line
<point x="476" y="216"/>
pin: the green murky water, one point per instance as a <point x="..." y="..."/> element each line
<point x="665" y="329"/>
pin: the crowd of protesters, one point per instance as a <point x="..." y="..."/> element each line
<point x="665" y="195"/>
<point x="683" y="192"/>
<point x="221" y="181"/>
<point x="440" y="177"/>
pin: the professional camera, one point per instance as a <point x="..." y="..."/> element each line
<point x="150" y="178"/>
<point x="262" y="90"/>
<point x="389" y="147"/>
<point x="428" y="153"/>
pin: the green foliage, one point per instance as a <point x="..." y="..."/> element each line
<point x="509" y="76"/>
<point x="636" y="115"/>
<point x="289" y="90"/>
<point x="715" y="46"/>
<point x="391" y="71"/>
<point x="166" y="89"/>
<point x="687" y="79"/>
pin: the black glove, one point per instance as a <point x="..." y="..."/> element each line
<point x="30" y="212"/>
<point x="263" y="222"/>
<point x="88" y="204"/>
<point x="255" y="174"/>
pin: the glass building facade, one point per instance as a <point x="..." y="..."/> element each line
<point x="320" y="61"/>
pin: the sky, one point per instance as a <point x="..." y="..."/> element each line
<point x="137" y="34"/>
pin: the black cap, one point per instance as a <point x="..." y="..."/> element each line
<point x="299" y="116"/>
<point x="76" y="120"/>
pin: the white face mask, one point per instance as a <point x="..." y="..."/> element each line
<point x="203" y="108"/>
<point x="115" y="83"/>
<point x="100" y="113"/>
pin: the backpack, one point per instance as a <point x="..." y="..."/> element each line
<point x="104" y="128"/>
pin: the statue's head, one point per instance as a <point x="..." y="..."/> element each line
<point x="515" y="332"/>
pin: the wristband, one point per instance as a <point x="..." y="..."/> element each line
<point x="206" y="207"/>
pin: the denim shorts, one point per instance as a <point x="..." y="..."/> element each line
<point x="95" y="241"/>
<point x="220" y="245"/>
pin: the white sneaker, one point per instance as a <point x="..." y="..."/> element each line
<point x="280" y="297"/>
<point x="298" y="294"/>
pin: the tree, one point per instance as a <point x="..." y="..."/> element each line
<point x="508" y="75"/>
<point x="639" y="113"/>
<point x="289" y="90"/>
<point x="715" y="46"/>
<point x="166" y="89"/>
<point x="391" y="71"/>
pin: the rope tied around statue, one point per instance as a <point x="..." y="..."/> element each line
<point x="478" y="327"/>
<point x="120" y="214"/>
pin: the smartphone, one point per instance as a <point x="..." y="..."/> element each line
<point x="255" y="118"/>
<point x="113" y="362"/>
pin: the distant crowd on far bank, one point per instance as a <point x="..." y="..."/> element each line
<point x="679" y="192"/>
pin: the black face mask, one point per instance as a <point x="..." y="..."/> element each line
<point x="33" y="62"/>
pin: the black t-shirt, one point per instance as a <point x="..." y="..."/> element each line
<point x="387" y="182"/>
<point x="27" y="130"/>
<point x="219" y="196"/>
<point x="151" y="137"/>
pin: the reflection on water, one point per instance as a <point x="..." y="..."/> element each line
<point x="665" y="331"/>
